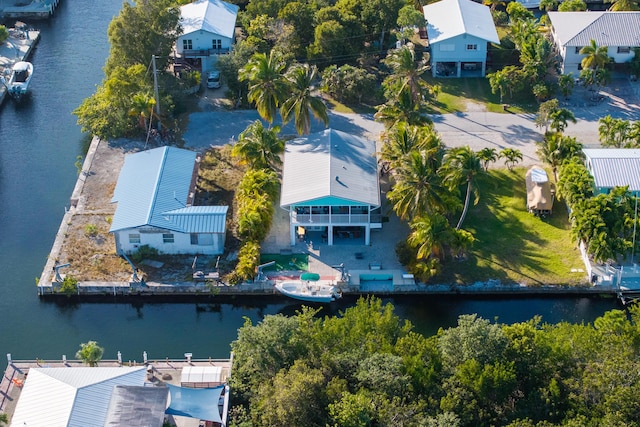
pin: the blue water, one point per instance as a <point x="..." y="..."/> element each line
<point x="39" y="143"/>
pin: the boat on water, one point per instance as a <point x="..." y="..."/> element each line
<point x="17" y="83"/>
<point x="309" y="289"/>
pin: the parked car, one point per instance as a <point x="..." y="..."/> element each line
<point x="213" y="80"/>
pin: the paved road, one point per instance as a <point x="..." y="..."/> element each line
<point x="478" y="129"/>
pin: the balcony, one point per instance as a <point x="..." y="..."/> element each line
<point x="335" y="219"/>
<point x="193" y="53"/>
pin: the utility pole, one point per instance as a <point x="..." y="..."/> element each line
<point x="155" y="89"/>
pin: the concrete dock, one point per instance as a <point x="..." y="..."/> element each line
<point x="30" y="10"/>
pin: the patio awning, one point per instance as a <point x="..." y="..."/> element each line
<point x="201" y="374"/>
<point x="198" y="403"/>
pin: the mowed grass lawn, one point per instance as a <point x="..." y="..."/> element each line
<point x="511" y="244"/>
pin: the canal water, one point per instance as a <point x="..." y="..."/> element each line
<point x="39" y="143"/>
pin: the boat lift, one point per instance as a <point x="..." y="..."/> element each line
<point x="260" y="277"/>
<point x="57" y="268"/>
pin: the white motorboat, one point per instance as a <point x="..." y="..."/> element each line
<point x="308" y="289"/>
<point x="18" y="81"/>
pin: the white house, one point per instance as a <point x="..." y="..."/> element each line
<point x="208" y="28"/>
<point x="459" y="32"/>
<point x="619" y="31"/>
<point x="614" y="167"/>
<point x="155" y="193"/>
<point x="330" y="188"/>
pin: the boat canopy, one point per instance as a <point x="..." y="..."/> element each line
<point x="311" y="277"/>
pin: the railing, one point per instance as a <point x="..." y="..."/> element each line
<point x="335" y="218"/>
<point x="190" y="53"/>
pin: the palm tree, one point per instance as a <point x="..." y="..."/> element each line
<point x="404" y="138"/>
<point x="90" y="353"/>
<point x="142" y="107"/>
<point x="300" y="103"/>
<point x="493" y="3"/>
<point x="462" y="164"/>
<point x="623" y="5"/>
<point x="614" y="132"/>
<point x="259" y="147"/>
<point x="487" y="155"/>
<point x="402" y="109"/>
<point x="511" y="157"/>
<point x="560" y="119"/>
<point x="595" y="56"/>
<point x="555" y="148"/>
<point x="406" y="74"/>
<point x="418" y="189"/>
<point x="267" y="85"/>
<point x="431" y="234"/>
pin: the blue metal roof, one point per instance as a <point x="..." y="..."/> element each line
<point x="152" y="183"/>
<point x="199" y="219"/>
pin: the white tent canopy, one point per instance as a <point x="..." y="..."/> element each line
<point x="201" y="375"/>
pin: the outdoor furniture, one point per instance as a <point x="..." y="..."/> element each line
<point x="201" y="276"/>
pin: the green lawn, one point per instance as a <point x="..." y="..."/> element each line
<point x="513" y="245"/>
<point x="286" y="262"/>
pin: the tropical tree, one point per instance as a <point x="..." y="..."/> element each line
<point x="566" y="82"/>
<point x="406" y="75"/>
<point x="90" y="353"/>
<point x="403" y="138"/>
<point x="487" y="155"/>
<point x="543" y="117"/>
<point x="418" y="189"/>
<point x="259" y="147"/>
<point x="623" y="5"/>
<point x="572" y="6"/>
<point x="493" y="4"/>
<point x="595" y="56"/>
<point x="402" y="109"/>
<point x="511" y="157"/>
<point x="575" y="182"/>
<point x="560" y="119"/>
<point x="409" y="18"/>
<point x="548" y="5"/>
<point x="301" y="103"/>
<point x="614" y="132"/>
<point x="4" y="419"/>
<point x="268" y="87"/>
<point x="555" y="148"/>
<point x="142" y="107"/>
<point x="463" y="165"/>
<point x="431" y="234"/>
<point x="4" y="35"/>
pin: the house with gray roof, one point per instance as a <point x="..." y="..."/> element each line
<point x="208" y="30"/>
<point x="571" y="31"/>
<point x="459" y="32"/>
<point x="330" y="188"/>
<point x="155" y="193"/>
<point x="614" y="167"/>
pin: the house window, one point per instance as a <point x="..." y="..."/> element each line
<point x="624" y="49"/>
<point x="472" y="47"/>
<point x="187" y="44"/>
<point x="203" y="239"/>
<point x="167" y="238"/>
<point x="578" y="49"/>
<point x="194" y="238"/>
<point x="217" y="44"/>
<point x="134" y="238"/>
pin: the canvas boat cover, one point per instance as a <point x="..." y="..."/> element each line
<point x="198" y="403"/>
<point x="539" y="196"/>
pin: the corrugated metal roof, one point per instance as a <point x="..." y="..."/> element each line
<point x="199" y="219"/>
<point x="614" y="167"/>
<point x="332" y="164"/>
<point x="214" y="16"/>
<point x="450" y="18"/>
<point x="606" y="28"/>
<point x="74" y="397"/>
<point x="151" y="183"/>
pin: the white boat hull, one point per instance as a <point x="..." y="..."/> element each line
<point x="18" y="82"/>
<point x="310" y="292"/>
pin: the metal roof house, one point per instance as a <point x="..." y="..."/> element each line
<point x="619" y="31"/>
<point x="208" y="30"/>
<point x="614" y="167"/>
<point x="458" y="32"/>
<point x="155" y="192"/>
<point x="330" y="185"/>
<point x="74" y="397"/>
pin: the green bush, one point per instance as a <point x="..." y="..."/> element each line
<point x="4" y="34"/>
<point x="69" y="286"/>
<point x="90" y="230"/>
<point x="144" y="252"/>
